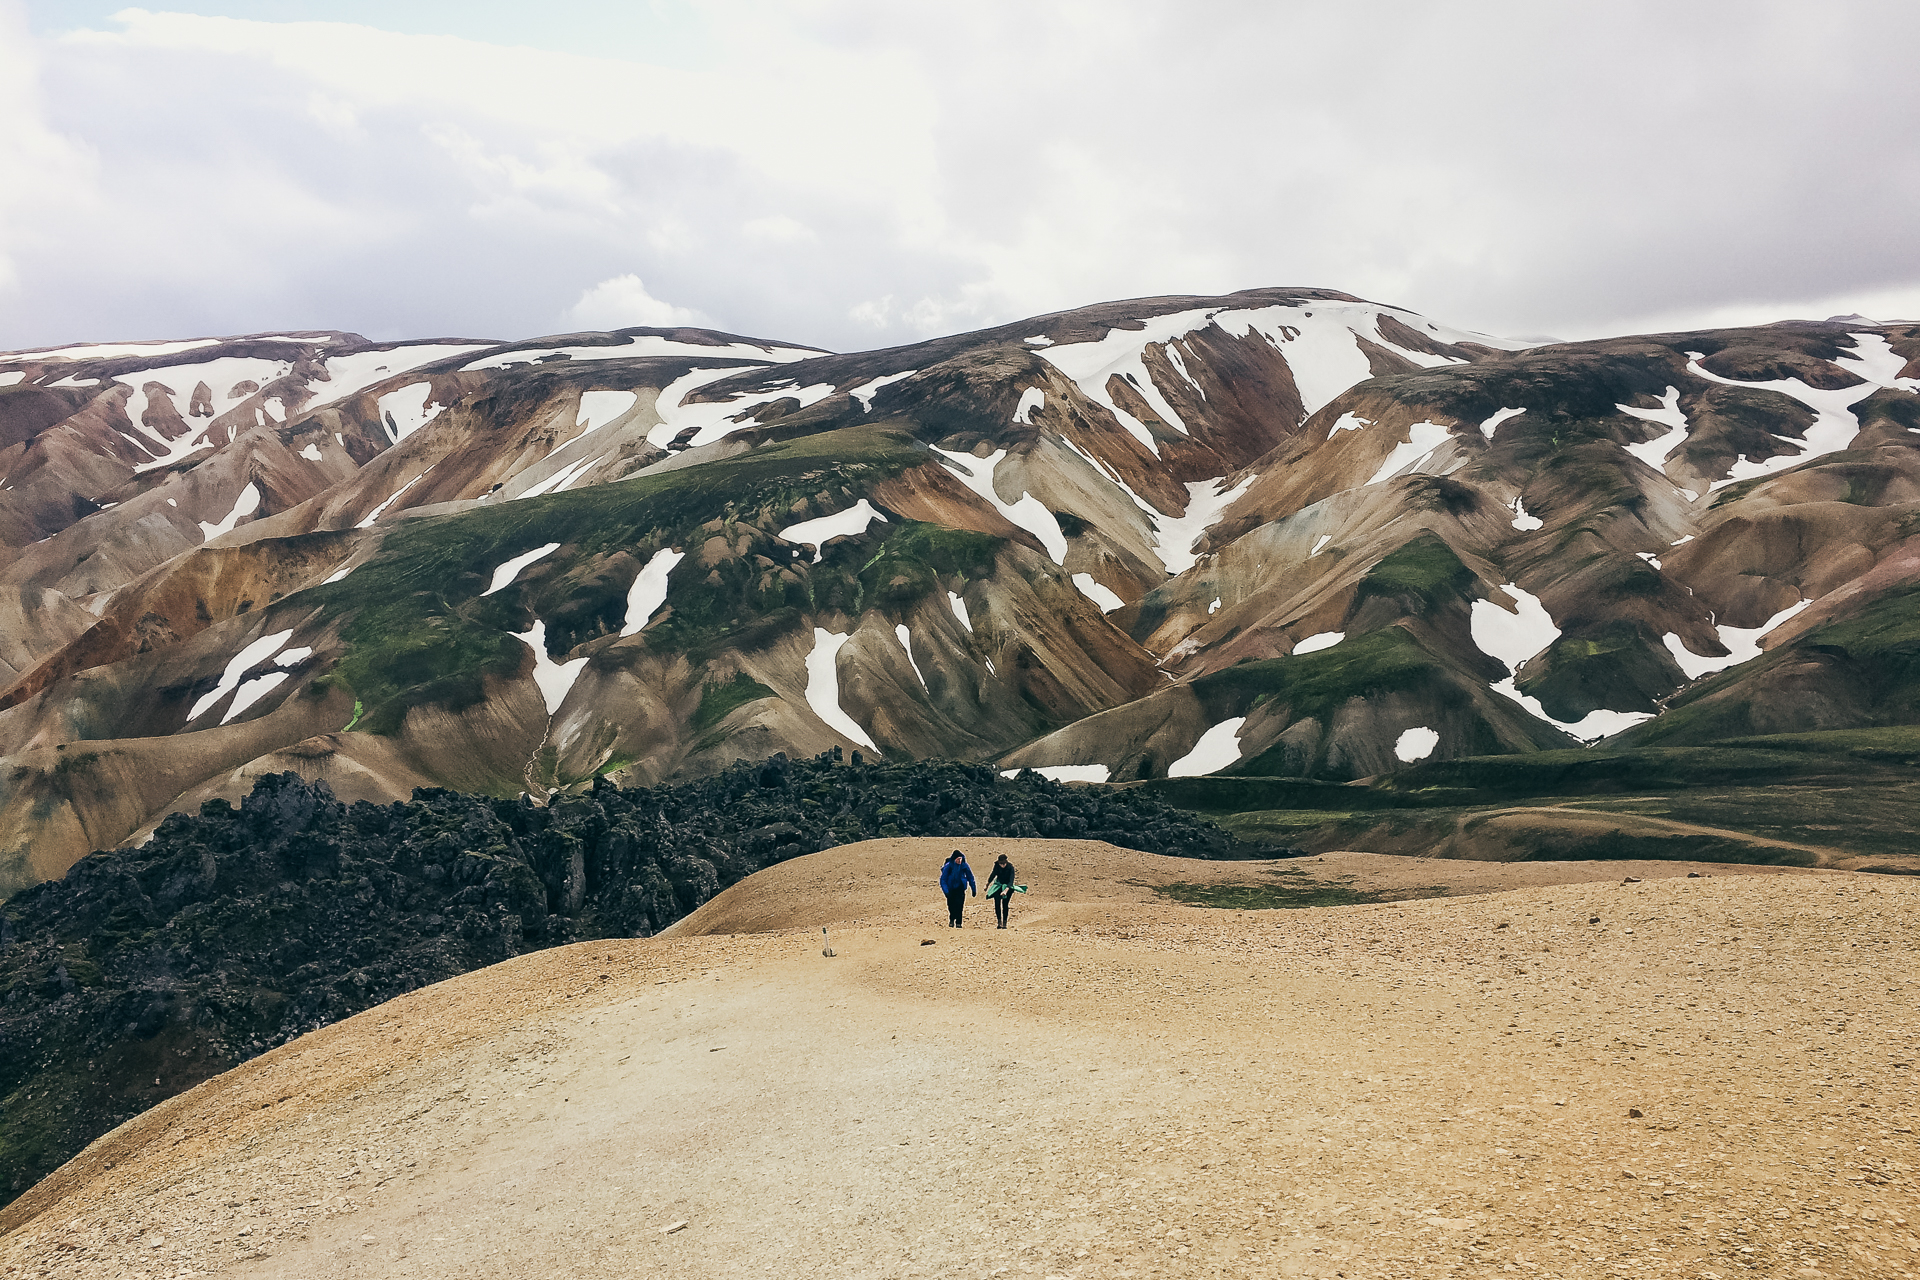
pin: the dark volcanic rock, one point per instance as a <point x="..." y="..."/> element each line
<point x="145" y="971"/>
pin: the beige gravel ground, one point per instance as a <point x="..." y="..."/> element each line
<point x="1116" y="1087"/>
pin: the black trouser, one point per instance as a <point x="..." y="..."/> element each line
<point x="956" y="901"/>
<point x="1001" y="901"/>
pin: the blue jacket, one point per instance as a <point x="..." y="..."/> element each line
<point x="956" y="875"/>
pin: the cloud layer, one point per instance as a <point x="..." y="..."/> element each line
<point x="849" y="173"/>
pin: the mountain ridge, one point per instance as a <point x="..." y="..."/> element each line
<point x="1336" y="536"/>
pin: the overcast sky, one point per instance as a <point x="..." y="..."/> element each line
<point x="857" y="173"/>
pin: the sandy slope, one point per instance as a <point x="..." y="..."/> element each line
<point x="1115" y="1087"/>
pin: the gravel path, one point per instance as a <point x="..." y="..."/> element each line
<point x="1115" y="1087"/>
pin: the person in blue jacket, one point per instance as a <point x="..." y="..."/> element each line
<point x="956" y="877"/>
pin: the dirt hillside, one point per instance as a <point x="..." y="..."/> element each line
<point x="1678" y="1077"/>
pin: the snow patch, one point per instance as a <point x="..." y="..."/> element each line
<point x="649" y="590"/>
<point x="645" y="345"/>
<point x="177" y="382"/>
<point x="505" y="573"/>
<point x="559" y="480"/>
<point x="1422" y="439"/>
<point x="1093" y="365"/>
<point x="1318" y="641"/>
<point x="351" y="374"/>
<point x="960" y="611"/>
<point x="1596" y="724"/>
<point x="1033" y="398"/>
<point x="866" y="391"/>
<point x="554" y="678"/>
<point x="1416" y="744"/>
<point x="1074" y="772"/>
<point x="1521" y="520"/>
<point x="905" y="637"/>
<point x="252" y="691"/>
<point x="1349" y="422"/>
<point x="1512" y="636"/>
<point x="598" y="408"/>
<point x="13" y="378"/>
<point x="405" y="411"/>
<point x="244" y="661"/>
<point x="1217" y="748"/>
<point x="247" y="503"/>
<point x="1028" y="513"/>
<point x="1654" y="452"/>
<point x="311" y="453"/>
<point x="1214" y="607"/>
<point x="714" y="420"/>
<point x="1834" y="425"/>
<point x="294" y="657"/>
<point x="392" y="498"/>
<point x="1492" y="424"/>
<point x="815" y="533"/>
<point x="823" y="688"/>
<point x="1206" y="503"/>
<point x="1319" y="543"/>
<point x="1040" y="340"/>
<point x="1515" y="637"/>
<point x="1742" y="643"/>
<point x="335" y="577"/>
<point x="106" y="350"/>
<point x="1097" y="592"/>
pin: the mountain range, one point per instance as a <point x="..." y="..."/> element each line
<point x="1281" y="533"/>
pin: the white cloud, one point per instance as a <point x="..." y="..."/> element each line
<point x="849" y="172"/>
<point x="623" y="301"/>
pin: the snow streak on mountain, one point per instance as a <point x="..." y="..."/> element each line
<point x="1279" y="533"/>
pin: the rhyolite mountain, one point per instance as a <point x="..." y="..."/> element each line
<point x="1281" y="533"/>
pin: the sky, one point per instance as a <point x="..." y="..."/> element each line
<point x="861" y="173"/>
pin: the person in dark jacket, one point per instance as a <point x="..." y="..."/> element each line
<point x="956" y="877"/>
<point x="1000" y="889"/>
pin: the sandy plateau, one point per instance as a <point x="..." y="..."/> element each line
<point x="1559" y="1074"/>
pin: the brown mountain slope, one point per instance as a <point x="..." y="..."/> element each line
<point x="1277" y="531"/>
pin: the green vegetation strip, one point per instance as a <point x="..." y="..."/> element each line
<point x="418" y="630"/>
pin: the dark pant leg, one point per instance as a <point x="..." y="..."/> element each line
<point x="1000" y="905"/>
<point x="956" y="902"/>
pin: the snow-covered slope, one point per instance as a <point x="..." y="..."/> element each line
<point x="1281" y="531"/>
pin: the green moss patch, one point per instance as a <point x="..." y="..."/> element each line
<point x="418" y="630"/>
<point x="720" y="699"/>
<point x="1424" y="568"/>
<point x="1290" y="890"/>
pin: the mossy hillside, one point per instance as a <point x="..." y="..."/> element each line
<point x="418" y="630"/>
<point x="1620" y="665"/>
<point x="1424" y="569"/>
<point x="1878" y="649"/>
<point x="1891" y="745"/>
<point x="721" y="698"/>
<point x="1558" y="384"/>
<point x="744" y="604"/>
<point x="1315" y="685"/>
<point x="1850" y="790"/>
